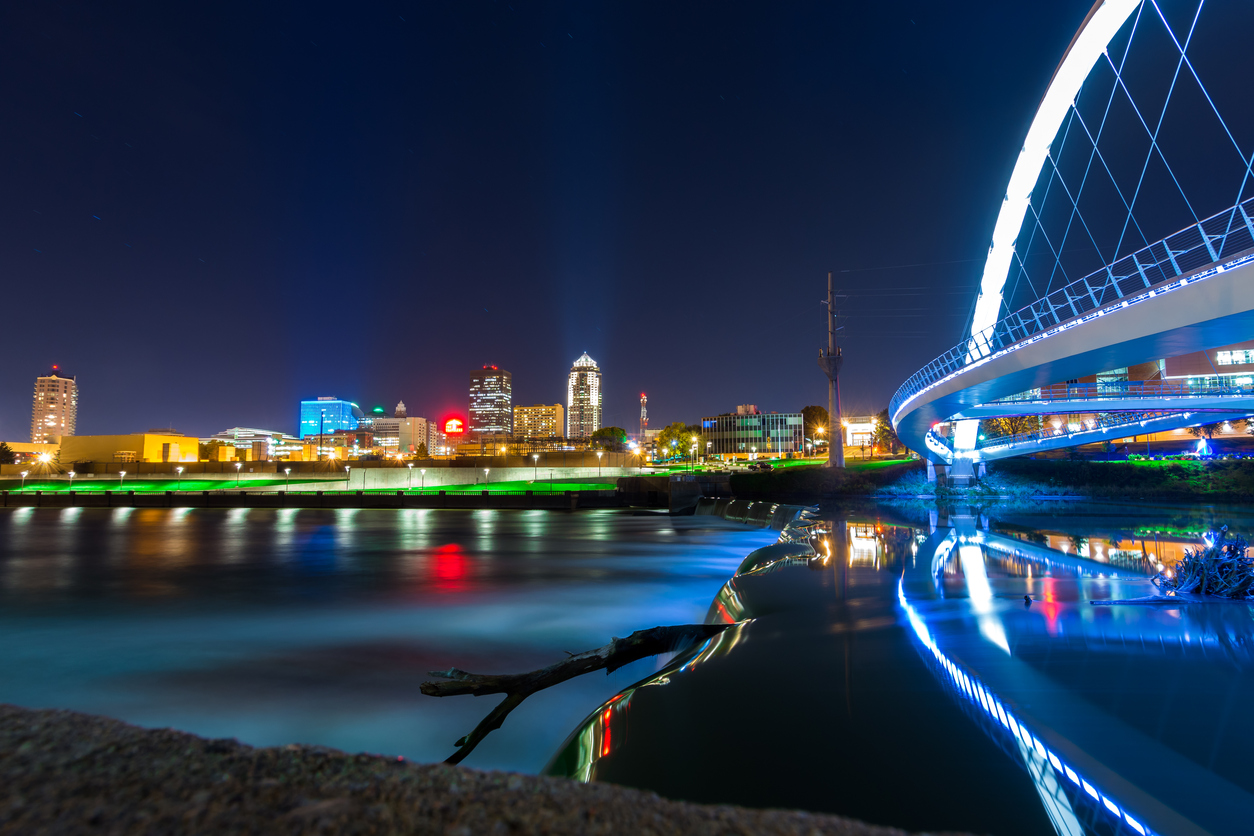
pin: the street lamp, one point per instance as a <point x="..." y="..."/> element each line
<point x="237" y="467"/>
<point x="410" y="484"/>
<point x="535" y="464"/>
<point x="121" y="477"/>
<point x="287" y="478"/>
<point x="179" y="471"/>
<point x="348" y="477"/>
<point x="755" y="452"/>
<point x="423" y="471"/>
<point x="598" y="464"/>
<point x="24" y="472"/>
<point x="485" y="475"/>
<point x="72" y="474"/>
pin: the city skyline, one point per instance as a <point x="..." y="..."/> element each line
<point x="611" y="171"/>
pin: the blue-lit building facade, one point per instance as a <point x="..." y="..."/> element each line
<point x="749" y="434"/>
<point x="326" y="415"/>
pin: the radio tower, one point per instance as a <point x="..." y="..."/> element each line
<point x="644" y="417"/>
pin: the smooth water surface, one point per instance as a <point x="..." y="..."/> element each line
<point x="895" y="674"/>
<point x="313" y="626"/>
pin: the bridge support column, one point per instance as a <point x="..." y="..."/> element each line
<point x="981" y="473"/>
<point x="931" y="471"/>
<point x="962" y="473"/>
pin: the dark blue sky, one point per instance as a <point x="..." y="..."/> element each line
<point x="209" y="213"/>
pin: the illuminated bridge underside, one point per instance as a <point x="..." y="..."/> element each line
<point x="1206" y="309"/>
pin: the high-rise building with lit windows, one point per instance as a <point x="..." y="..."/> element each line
<point x="491" y="401"/>
<point x="539" y="421"/>
<point x="583" y="398"/>
<point x="55" y="409"/>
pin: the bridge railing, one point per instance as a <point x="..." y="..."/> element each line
<point x="1049" y="431"/>
<point x="1196" y="250"/>
<point x="1126" y="390"/>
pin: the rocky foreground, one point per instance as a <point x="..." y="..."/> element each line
<point x="67" y="773"/>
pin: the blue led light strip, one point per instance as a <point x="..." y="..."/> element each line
<point x="978" y="694"/>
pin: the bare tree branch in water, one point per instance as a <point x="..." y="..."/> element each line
<point x="518" y="686"/>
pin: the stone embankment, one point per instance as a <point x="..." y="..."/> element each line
<point x="67" y="773"/>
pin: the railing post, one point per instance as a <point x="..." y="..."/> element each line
<point x="1214" y="256"/>
<point x="1141" y="270"/>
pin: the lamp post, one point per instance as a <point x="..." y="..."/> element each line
<point x="755" y="453"/>
<point x="598" y="464"/>
<point x="535" y="464"/>
<point x="72" y="474"/>
<point x="287" y="478"/>
<point x="423" y="488"/>
<point x="121" y="477"/>
<point x="410" y="484"/>
<point x="485" y="475"/>
<point x="24" y="472"/>
<point x="692" y="460"/>
<point x="237" y="467"/>
<point x="348" y="476"/>
<point x="179" y="471"/>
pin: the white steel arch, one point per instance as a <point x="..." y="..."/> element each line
<point x="1089" y="44"/>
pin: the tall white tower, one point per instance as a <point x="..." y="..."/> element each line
<point x="583" y="398"/>
<point x="54" y="412"/>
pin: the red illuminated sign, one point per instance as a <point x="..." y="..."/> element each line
<point x="454" y="426"/>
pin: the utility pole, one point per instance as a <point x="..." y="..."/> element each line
<point x="830" y="362"/>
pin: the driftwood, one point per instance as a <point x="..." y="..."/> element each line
<point x="518" y="686"/>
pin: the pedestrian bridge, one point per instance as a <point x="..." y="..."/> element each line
<point x="1191" y="291"/>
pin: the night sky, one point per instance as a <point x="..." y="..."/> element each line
<point x="208" y="213"/>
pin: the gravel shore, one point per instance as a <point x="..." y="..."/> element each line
<point x="67" y="773"/>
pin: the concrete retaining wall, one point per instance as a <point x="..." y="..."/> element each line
<point x="772" y="515"/>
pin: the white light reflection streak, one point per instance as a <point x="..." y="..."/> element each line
<point x="981" y="594"/>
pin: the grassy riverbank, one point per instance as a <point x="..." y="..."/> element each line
<point x="816" y="482"/>
<point x="1214" y="481"/>
<point x="64" y="772"/>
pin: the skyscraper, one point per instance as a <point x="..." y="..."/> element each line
<point x="491" y="401"/>
<point x="583" y="398"/>
<point x="55" y="409"/>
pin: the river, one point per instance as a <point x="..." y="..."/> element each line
<point x="842" y="692"/>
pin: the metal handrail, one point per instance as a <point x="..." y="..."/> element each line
<point x="1125" y="390"/>
<point x="1045" y="433"/>
<point x="1192" y="253"/>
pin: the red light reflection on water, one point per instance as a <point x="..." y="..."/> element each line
<point x="1050" y="606"/>
<point x="448" y="569"/>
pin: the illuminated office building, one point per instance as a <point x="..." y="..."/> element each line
<point x="539" y="421"/>
<point x="491" y="400"/>
<point x="750" y="433"/>
<point x="326" y="415"/>
<point x="583" y="398"/>
<point x="54" y="412"/>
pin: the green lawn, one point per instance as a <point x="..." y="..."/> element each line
<point x="142" y="485"/>
<point x="161" y="485"/>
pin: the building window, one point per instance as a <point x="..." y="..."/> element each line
<point x="1239" y="357"/>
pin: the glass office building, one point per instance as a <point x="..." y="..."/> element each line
<point x="491" y="401"/>
<point x="771" y="433"/>
<point x="326" y="415"/>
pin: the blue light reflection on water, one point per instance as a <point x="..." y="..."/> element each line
<point x="968" y="686"/>
<point x="311" y="626"/>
